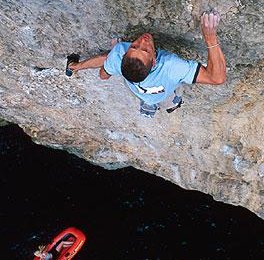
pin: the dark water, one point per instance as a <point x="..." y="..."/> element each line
<point x="126" y="214"/>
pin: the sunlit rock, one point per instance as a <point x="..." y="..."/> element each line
<point x="214" y="143"/>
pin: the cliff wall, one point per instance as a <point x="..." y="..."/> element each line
<point x="214" y="143"/>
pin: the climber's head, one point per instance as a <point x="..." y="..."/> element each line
<point x="139" y="59"/>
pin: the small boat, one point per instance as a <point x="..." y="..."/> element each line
<point x="63" y="247"/>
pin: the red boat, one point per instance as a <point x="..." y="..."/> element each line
<point x="63" y="247"/>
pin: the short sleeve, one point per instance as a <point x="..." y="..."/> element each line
<point x="183" y="71"/>
<point x="112" y="64"/>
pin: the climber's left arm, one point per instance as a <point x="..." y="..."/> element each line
<point x="215" y="71"/>
<point x="103" y="74"/>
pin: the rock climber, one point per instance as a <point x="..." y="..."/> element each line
<point x="153" y="75"/>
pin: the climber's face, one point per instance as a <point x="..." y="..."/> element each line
<point x="143" y="48"/>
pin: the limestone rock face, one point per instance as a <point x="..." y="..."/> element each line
<point x="214" y="143"/>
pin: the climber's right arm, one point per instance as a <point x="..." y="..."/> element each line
<point x="215" y="71"/>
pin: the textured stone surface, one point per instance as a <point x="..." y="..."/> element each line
<point x="214" y="143"/>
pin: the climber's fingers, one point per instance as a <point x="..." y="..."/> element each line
<point x="216" y="18"/>
<point x="210" y="20"/>
<point x="205" y="19"/>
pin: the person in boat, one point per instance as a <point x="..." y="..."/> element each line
<point x="153" y="75"/>
<point x="43" y="255"/>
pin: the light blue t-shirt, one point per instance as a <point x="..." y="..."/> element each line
<point x="168" y="73"/>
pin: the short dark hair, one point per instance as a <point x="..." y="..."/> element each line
<point x="134" y="69"/>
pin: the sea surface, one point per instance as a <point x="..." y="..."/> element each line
<point x="125" y="214"/>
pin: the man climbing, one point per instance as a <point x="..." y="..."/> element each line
<point x="154" y="75"/>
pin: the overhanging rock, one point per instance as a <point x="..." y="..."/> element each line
<point x="214" y="143"/>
